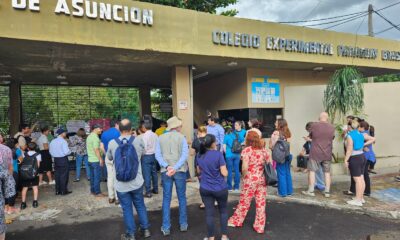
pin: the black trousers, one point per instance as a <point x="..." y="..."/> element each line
<point x="61" y="173"/>
<point x="366" y="179"/>
<point x="209" y="199"/>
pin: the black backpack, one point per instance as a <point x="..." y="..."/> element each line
<point x="29" y="167"/>
<point x="236" y="146"/>
<point x="281" y="151"/>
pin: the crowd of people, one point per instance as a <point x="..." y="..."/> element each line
<point x="227" y="159"/>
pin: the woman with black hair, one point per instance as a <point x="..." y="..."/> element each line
<point x="211" y="167"/>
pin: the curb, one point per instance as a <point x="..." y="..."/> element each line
<point x="392" y="215"/>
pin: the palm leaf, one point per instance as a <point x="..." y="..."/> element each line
<point x="344" y="93"/>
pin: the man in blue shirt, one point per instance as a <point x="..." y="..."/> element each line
<point x="59" y="151"/>
<point x="106" y="137"/>
<point x="217" y="130"/>
<point x="172" y="152"/>
<point x="233" y="158"/>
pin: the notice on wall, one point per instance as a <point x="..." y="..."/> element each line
<point x="265" y="90"/>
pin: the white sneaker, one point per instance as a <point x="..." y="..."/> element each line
<point x="355" y="202"/>
<point x="362" y="201"/>
<point x="236" y="191"/>
<point x="52" y="182"/>
<point x="42" y="183"/>
<point x="307" y="193"/>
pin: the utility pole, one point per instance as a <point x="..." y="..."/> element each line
<point x="370" y="23"/>
<point x="370" y="31"/>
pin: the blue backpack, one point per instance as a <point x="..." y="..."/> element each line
<point x="126" y="160"/>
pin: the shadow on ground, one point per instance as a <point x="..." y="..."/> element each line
<point x="285" y="221"/>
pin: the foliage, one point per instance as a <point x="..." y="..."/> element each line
<point x="209" y="6"/>
<point x="385" y="78"/>
<point x="57" y="105"/>
<point x="344" y="93"/>
<point x="160" y="96"/>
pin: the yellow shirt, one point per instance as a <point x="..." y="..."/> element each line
<point x="160" y="131"/>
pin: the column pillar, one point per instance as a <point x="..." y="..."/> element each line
<point x="182" y="102"/>
<point x="144" y="100"/>
<point x="15" y="107"/>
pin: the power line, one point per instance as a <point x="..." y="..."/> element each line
<point x="385" y="30"/>
<point x="340" y="20"/>
<point x="341" y="16"/>
<point x="322" y="19"/>
<point x="391" y="5"/>
<point x="350" y="20"/>
<point x="387" y="20"/>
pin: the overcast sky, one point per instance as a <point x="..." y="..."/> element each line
<point x="297" y="10"/>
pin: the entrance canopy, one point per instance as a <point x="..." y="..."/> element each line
<point x="88" y="43"/>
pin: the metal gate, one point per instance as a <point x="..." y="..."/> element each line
<point x="58" y="104"/>
<point x="4" y="106"/>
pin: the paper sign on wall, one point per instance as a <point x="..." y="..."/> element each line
<point x="265" y="90"/>
<point x="183" y="105"/>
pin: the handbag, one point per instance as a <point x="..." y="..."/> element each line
<point x="271" y="178"/>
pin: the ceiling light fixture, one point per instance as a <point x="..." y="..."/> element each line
<point x="232" y="64"/>
<point x="318" y="68"/>
<point x="5" y="76"/>
<point x="6" y="82"/>
<point x="200" y="75"/>
<point x="61" y="77"/>
<point x="105" y="84"/>
<point x="108" y="79"/>
<point x="64" y="83"/>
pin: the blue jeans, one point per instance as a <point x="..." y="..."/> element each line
<point x="180" y="184"/>
<point x="79" y="160"/>
<point x="135" y="198"/>
<point x="320" y="177"/>
<point x="95" y="177"/>
<point x="149" y="171"/>
<point x="233" y="163"/>
<point x="285" y="185"/>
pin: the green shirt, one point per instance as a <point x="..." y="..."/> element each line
<point x="92" y="142"/>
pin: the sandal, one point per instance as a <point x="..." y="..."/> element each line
<point x="348" y="193"/>
<point x="202" y="206"/>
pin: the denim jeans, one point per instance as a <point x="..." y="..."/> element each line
<point x="149" y="170"/>
<point x="320" y="180"/>
<point x="285" y="185"/>
<point x="95" y="176"/>
<point x="233" y="163"/>
<point x="129" y="199"/>
<point x="209" y="198"/>
<point x="79" y="160"/>
<point x="180" y="184"/>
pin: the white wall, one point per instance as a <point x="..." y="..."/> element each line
<point x="382" y="108"/>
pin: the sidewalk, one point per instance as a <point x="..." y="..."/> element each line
<point x="382" y="202"/>
<point x="80" y="206"/>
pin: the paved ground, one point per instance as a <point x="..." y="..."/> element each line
<point x="285" y="221"/>
<point x="79" y="215"/>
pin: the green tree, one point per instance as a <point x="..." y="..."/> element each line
<point x="344" y="93"/>
<point x="209" y="6"/>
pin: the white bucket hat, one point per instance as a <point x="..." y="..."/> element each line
<point x="173" y="123"/>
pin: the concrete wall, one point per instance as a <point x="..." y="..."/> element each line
<point x="183" y="32"/>
<point x="304" y="103"/>
<point x="222" y="93"/>
<point x="287" y="78"/>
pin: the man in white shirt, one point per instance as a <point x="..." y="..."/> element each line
<point x="59" y="151"/>
<point x="149" y="166"/>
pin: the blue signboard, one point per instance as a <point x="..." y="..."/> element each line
<point x="265" y="90"/>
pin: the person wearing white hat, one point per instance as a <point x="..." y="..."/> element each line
<point x="172" y="152"/>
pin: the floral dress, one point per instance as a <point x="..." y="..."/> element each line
<point x="253" y="186"/>
<point x="7" y="183"/>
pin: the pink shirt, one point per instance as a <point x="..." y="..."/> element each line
<point x="150" y="140"/>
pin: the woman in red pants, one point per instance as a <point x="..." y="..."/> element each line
<point x="254" y="157"/>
